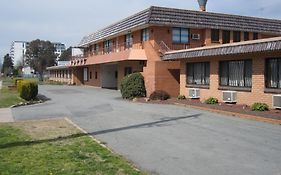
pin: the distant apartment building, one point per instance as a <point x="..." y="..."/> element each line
<point x="60" y="48"/>
<point x="231" y="57"/>
<point x="17" y="52"/>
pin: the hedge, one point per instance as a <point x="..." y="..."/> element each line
<point x="133" y="86"/>
<point x="28" y="90"/>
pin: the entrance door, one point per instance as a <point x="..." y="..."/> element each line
<point x="109" y="76"/>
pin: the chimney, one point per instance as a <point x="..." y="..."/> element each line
<point x="202" y="5"/>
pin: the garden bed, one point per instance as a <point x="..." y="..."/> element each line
<point x="235" y="108"/>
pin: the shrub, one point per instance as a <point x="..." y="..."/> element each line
<point x="181" y="97"/>
<point x="28" y="90"/>
<point x="211" y="100"/>
<point x="259" y="107"/>
<point x="17" y="80"/>
<point x="133" y="86"/>
<point x="18" y="83"/>
<point x="159" y="95"/>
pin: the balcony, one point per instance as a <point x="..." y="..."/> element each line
<point x="115" y="53"/>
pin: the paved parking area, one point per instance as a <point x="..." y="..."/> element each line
<point x="165" y="139"/>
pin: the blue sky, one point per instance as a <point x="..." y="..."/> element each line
<point x="68" y="21"/>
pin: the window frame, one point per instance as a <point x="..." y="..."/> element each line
<point x="266" y="79"/>
<point x="215" y="35"/>
<point x="203" y="77"/>
<point x="236" y="37"/>
<point x="180" y="35"/>
<point x="224" y="38"/>
<point x="255" y="36"/>
<point x="86" y="77"/>
<point x="248" y="36"/>
<point x="228" y="77"/>
<point x="145" y="35"/>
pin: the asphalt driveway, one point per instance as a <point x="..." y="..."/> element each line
<point x="165" y="139"/>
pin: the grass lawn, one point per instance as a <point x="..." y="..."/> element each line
<point x="55" y="147"/>
<point x="9" y="97"/>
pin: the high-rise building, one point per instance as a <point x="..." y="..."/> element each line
<point x="17" y="51"/>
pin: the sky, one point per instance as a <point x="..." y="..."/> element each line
<point x="67" y="21"/>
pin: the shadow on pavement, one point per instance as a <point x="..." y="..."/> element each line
<point x="142" y="125"/>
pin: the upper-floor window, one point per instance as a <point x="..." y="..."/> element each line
<point x="246" y="36"/>
<point x="108" y="45"/>
<point x="225" y="36"/>
<point x="236" y="36"/>
<point x="255" y="36"/>
<point x="215" y="35"/>
<point x="145" y="35"/>
<point x="236" y="73"/>
<point x="96" y="49"/>
<point x="128" y="40"/>
<point x="273" y="73"/>
<point x="180" y="35"/>
<point x="198" y="73"/>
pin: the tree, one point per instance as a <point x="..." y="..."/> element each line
<point x="66" y="55"/>
<point x="8" y="65"/>
<point x="40" y="55"/>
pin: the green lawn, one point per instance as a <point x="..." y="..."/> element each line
<point x="55" y="147"/>
<point x="8" y="97"/>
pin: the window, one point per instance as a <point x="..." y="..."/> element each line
<point x="236" y="36"/>
<point x="180" y="35"/>
<point x="255" y="36"/>
<point x="85" y="74"/>
<point x="246" y="36"/>
<point x="96" y="49"/>
<point x="127" y="71"/>
<point x="198" y="73"/>
<point x="128" y="41"/>
<point x="144" y="35"/>
<point x="108" y="46"/>
<point x="236" y="73"/>
<point x="96" y="75"/>
<point x="90" y="75"/>
<point x="273" y="73"/>
<point x="225" y="36"/>
<point x="215" y="35"/>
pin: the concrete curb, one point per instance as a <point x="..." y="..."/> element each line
<point x="234" y="114"/>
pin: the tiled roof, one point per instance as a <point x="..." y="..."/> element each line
<point x="186" y="18"/>
<point x="262" y="45"/>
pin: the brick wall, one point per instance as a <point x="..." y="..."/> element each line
<point x="257" y="93"/>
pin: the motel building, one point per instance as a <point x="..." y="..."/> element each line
<point x="198" y="54"/>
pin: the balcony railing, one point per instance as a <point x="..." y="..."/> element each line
<point x="162" y="47"/>
<point x="114" y="48"/>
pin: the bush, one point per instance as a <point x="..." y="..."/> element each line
<point x="17" y="80"/>
<point x="133" y="86"/>
<point x="28" y="90"/>
<point x="181" y="97"/>
<point x="159" y="95"/>
<point x="18" y="83"/>
<point x="259" y="107"/>
<point x="211" y="101"/>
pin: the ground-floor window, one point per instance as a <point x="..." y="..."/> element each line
<point x="273" y="73"/>
<point x="198" y="73"/>
<point x="236" y="73"/>
<point x="127" y="71"/>
<point x="85" y="74"/>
